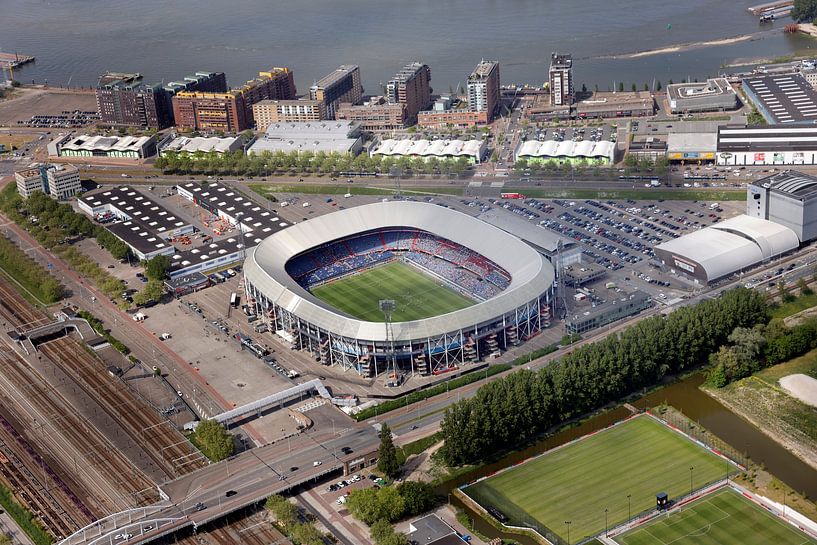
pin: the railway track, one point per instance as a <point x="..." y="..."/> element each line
<point x="253" y="529"/>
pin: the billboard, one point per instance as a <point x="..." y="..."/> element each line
<point x="691" y="155"/>
<point x="683" y="265"/>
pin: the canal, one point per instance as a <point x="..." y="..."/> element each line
<point x="696" y="405"/>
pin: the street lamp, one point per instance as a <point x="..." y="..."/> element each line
<point x="690" y="479"/>
<point x="628" y="507"/>
<point x="605" y="522"/>
<point x="567" y="523"/>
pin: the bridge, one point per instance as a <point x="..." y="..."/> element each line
<point x="278" y="398"/>
<point x="249" y="478"/>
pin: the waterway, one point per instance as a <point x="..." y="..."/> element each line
<point x="75" y="40"/>
<point x="696" y="405"/>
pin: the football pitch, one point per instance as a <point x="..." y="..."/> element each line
<point x="417" y="295"/>
<point x="722" y="518"/>
<point x="602" y="479"/>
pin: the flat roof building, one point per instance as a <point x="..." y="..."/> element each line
<point x="615" y="309"/>
<point x="623" y="104"/>
<point x="341" y="85"/>
<point x="483" y="88"/>
<point x="692" y="147"/>
<point x="432" y="530"/>
<point x="715" y="94"/>
<point x="767" y="145"/>
<point x="788" y="198"/>
<point x="726" y="247"/>
<point x="411" y="87"/>
<point x="327" y="136"/>
<point x="268" y="112"/>
<point x="120" y="147"/>
<point x="783" y="98"/>
<point x="375" y="115"/>
<point x="560" y="76"/>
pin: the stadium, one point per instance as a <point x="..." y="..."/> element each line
<point x="459" y="290"/>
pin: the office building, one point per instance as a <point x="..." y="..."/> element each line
<point x="231" y="111"/>
<point x="91" y="147"/>
<point x="715" y="94"/>
<point x="560" y="77"/>
<point x="376" y="114"/>
<point x="411" y="88"/>
<point x="483" y="88"/>
<point x="60" y="181"/>
<point x="341" y="85"/>
<point x="268" y="112"/>
<point x="788" y="198"/>
<point x="624" y="104"/>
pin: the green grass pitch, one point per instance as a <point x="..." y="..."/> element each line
<point x="639" y="458"/>
<point x="722" y="518"/>
<point x="417" y="295"/>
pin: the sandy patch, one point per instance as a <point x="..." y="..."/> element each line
<point x="803" y="387"/>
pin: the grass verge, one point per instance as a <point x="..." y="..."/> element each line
<point x="266" y="190"/>
<point x="634" y="194"/>
<point x="24" y="518"/>
<point x="801" y="302"/>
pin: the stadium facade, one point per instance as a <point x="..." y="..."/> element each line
<point x="510" y="282"/>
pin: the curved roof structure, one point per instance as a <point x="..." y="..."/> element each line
<point x="567" y="149"/>
<point x="531" y="274"/>
<point x="431" y="148"/>
<point x="732" y="245"/>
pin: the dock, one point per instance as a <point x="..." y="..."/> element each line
<point x="777" y="6"/>
<point x="13" y="60"/>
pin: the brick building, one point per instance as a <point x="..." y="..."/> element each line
<point x="268" y="112"/>
<point x="341" y="85"/>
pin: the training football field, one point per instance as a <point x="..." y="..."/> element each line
<point x="618" y="470"/>
<point x="417" y="295"/>
<point x="722" y="518"/>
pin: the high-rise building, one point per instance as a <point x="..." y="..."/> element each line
<point x="59" y="181"/>
<point x="268" y="112"/>
<point x="483" y="88"/>
<point x="560" y="77"/>
<point x="231" y="111"/>
<point x="204" y="82"/>
<point x="411" y="87"/>
<point x="341" y="85"/>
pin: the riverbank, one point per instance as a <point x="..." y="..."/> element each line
<point x="688" y="46"/>
<point x="785" y="419"/>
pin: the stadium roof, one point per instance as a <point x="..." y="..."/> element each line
<point x="732" y="245"/>
<point x="528" y="231"/>
<point x="531" y="274"/>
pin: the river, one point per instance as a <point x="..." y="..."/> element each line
<point x="696" y="405"/>
<point x="76" y="40"/>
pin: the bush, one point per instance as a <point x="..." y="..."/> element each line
<point x="213" y="440"/>
<point x="24" y="519"/>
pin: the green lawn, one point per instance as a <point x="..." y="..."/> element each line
<point x="417" y="295"/>
<point x="578" y="482"/>
<point x="722" y="518"/>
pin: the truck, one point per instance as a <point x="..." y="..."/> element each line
<point x="655" y="182"/>
<point x="139" y="317"/>
<point x="714" y="206"/>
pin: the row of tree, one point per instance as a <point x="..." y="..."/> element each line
<point x="287" y="519"/>
<point x="30" y="274"/>
<point x="519" y="407"/>
<point x="391" y="503"/>
<point x="307" y="162"/>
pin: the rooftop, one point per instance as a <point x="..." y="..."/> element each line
<point x="203" y="144"/>
<point x="786" y="98"/>
<point x="106" y="143"/>
<point x="429" y="530"/>
<point x="484" y="69"/>
<point x="561" y="61"/>
<point x="692" y="141"/>
<point x="408" y="72"/>
<point x="119" y="80"/>
<point x="766" y="138"/>
<point x="143" y="211"/>
<point x="623" y="100"/>
<point x="710" y="87"/>
<point x="335" y="76"/>
<point x="792" y="183"/>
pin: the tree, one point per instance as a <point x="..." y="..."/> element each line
<point x="284" y="512"/>
<point x="621" y="87"/>
<point x="383" y="533"/>
<point x="156" y="267"/>
<point x="387" y="461"/>
<point x="306" y="534"/>
<point x="646" y="86"/>
<point x="152" y="291"/>
<point x="634" y="88"/>
<point x="804" y="287"/>
<point x="5" y="539"/>
<point x="369" y="505"/>
<point x="804" y="10"/>
<point x="213" y="440"/>
<point x="658" y="85"/>
<point x="417" y="497"/>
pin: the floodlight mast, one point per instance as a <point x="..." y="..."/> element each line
<point x="387" y="307"/>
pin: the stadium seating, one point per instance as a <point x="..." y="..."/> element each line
<point x="467" y="270"/>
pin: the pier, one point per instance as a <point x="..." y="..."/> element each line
<point x="778" y="8"/>
<point x="14" y="60"/>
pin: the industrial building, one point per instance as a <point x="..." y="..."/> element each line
<point x="567" y="151"/>
<point x="787" y="198"/>
<point x="622" y="104"/>
<point x="783" y="98"/>
<point x="560" y="77"/>
<point x="59" y="181"/>
<point x="201" y="144"/>
<point x="483" y="89"/>
<point x="473" y="150"/>
<point x="647" y="147"/>
<point x="119" y="147"/>
<point x="268" y="112"/>
<point x="715" y="94"/>
<point x="341" y="85"/>
<point x="726" y="247"/>
<point x="692" y="147"/>
<point x="315" y="136"/>
<point x="137" y="220"/>
<point x="776" y="145"/>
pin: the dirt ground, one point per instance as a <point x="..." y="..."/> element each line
<point x="28" y="102"/>
<point x="801" y="386"/>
